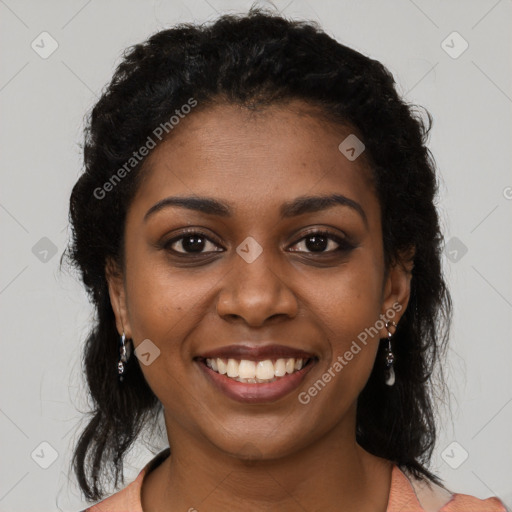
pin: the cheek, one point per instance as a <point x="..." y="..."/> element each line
<point x="157" y="302"/>
<point x="350" y="302"/>
<point x="165" y="305"/>
<point x="348" y="307"/>
<point x="164" y="309"/>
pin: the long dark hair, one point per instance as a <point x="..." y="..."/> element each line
<point x="255" y="60"/>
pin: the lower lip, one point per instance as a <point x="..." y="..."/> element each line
<point x="256" y="393"/>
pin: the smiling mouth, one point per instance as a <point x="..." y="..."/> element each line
<point x="256" y="372"/>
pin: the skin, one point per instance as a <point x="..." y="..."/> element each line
<point x="283" y="455"/>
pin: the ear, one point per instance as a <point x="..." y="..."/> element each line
<point x="397" y="289"/>
<point x="117" y="292"/>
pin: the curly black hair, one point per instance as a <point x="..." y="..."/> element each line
<point x="258" y="59"/>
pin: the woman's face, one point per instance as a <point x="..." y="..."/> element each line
<point x="251" y="274"/>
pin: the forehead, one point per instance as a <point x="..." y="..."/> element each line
<point x="254" y="159"/>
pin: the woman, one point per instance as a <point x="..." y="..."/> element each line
<point x="256" y="226"/>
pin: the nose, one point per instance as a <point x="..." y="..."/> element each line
<point x="256" y="292"/>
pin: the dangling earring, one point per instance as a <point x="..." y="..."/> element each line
<point x="390" y="357"/>
<point x="123" y="357"/>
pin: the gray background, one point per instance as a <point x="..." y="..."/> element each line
<point x="45" y="314"/>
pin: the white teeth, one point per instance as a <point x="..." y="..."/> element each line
<point x="280" y="368"/>
<point x="221" y="366"/>
<point x="265" y="370"/>
<point x="254" y="372"/>
<point x="232" y="369"/>
<point x="246" y="369"/>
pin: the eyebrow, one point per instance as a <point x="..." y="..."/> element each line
<point x="299" y="206"/>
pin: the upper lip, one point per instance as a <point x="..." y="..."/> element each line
<point x="256" y="353"/>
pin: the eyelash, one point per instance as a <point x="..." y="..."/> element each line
<point x="344" y="245"/>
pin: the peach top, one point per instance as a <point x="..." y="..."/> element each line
<point x="406" y="495"/>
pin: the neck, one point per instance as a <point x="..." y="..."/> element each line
<point x="334" y="473"/>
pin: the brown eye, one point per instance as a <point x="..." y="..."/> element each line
<point x="322" y="242"/>
<point x="191" y="243"/>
